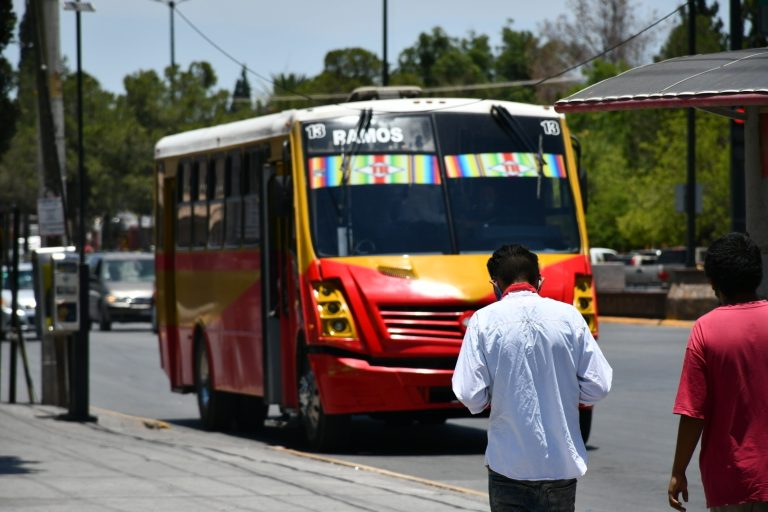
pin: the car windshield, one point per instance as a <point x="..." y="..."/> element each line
<point x="390" y="194"/>
<point x="128" y="270"/>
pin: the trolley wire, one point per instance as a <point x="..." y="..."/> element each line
<point x="296" y="95"/>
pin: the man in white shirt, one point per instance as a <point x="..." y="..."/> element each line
<point x="532" y="360"/>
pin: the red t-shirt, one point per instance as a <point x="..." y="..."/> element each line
<point x="725" y="382"/>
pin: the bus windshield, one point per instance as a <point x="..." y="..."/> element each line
<point x="507" y="184"/>
<point x="385" y="188"/>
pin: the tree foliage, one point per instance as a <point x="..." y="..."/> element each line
<point x="8" y="107"/>
<point x="633" y="158"/>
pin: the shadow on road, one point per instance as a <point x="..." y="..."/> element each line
<point x="11" y="465"/>
<point x="374" y="437"/>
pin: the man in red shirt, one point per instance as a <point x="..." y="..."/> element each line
<point x="723" y="389"/>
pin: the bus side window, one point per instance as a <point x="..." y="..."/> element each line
<point x="252" y="196"/>
<point x="233" y="193"/>
<point x="200" y="202"/>
<point x="216" y="201"/>
<point x="184" y="204"/>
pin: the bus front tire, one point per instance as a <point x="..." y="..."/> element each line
<point x="215" y="406"/>
<point x="323" y="432"/>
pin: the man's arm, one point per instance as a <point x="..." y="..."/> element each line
<point x="471" y="380"/>
<point x="595" y="375"/>
<point x="688" y="434"/>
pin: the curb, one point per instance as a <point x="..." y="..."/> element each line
<point x="661" y="322"/>
<point x="149" y="423"/>
<point x="379" y="471"/>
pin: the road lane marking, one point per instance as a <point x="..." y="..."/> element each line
<point x="380" y="471"/>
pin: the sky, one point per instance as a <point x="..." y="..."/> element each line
<point x="284" y="36"/>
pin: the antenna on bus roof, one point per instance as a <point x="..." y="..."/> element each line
<point x="384" y="93"/>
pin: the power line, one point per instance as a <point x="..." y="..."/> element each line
<point x="233" y="59"/>
<point x="608" y="50"/>
<point x="295" y="95"/>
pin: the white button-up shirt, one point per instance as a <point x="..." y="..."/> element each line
<point x="533" y="360"/>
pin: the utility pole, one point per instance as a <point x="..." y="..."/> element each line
<point x="55" y="70"/>
<point x="690" y="196"/>
<point x="384" y="63"/>
<point x="738" y="192"/>
<point x="50" y="113"/>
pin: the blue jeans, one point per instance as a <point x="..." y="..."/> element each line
<point x="507" y="495"/>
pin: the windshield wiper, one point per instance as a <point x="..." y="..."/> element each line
<point x="344" y="206"/>
<point x="512" y="126"/>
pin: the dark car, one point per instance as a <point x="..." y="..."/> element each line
<point x="121" y="289"/>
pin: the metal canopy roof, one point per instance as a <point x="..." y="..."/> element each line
<point x="725" y="79"/>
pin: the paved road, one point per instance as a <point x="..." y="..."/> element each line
<point x="630" y="449"/>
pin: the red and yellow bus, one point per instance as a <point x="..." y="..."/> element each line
<point x="326" y="260"/>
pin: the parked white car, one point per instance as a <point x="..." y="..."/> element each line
<point x="602" y="255"/>
<point x="26" y="298"/>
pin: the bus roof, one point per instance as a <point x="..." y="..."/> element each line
<point x="257" y="128"/>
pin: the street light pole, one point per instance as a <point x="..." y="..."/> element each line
<point x="171" y="7"/>
<point x="78" y="396"/>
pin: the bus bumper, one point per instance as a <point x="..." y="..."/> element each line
<point x="353" y="386"/>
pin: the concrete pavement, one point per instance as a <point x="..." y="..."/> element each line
<point x="123" y="463"/>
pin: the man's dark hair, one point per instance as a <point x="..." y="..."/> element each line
<point x="733" y="264"/>
<point x="512" y="263"/>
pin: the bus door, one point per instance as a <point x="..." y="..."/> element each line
<point x="166" y="317"/>
<point x="274" y="274"/>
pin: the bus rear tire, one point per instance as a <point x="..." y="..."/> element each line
<point x="322" y="432"/>
<point x="215" y="406"/>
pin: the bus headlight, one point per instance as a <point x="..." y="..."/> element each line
<point x="584" y="299"/>
<point x="333" y="311"/>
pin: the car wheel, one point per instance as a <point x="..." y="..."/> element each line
<point x="585" y="423"/>
<point x="105" y="324"/>
<point x="215" y="407"/>
<point x="323" y="432"/>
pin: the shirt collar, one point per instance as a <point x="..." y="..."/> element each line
<point x="519" y="287"/>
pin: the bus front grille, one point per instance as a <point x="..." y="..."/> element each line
<point x="423" y="325"/>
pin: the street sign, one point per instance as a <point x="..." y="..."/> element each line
<point x="50" y="214"/>
<point x="680" y="195"/>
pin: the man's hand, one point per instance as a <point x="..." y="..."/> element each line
<point x="677" y="484"/>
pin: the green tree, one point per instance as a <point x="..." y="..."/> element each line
<point x="18" y="165"/>
<point x="652" y="220"/>
<point x="419" y="60"/>
<point x="517" y="60"/>
<point x="241" y="96"/>
<point x="710" y="37"/>
<point x="750" y="13"/>
<point x="345" y="69"/>
<point x="8" y="107"/>
<point x="289" y="85"/>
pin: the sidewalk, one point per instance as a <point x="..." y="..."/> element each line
<point x="123" y="463"/>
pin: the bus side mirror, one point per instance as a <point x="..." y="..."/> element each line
<point x="583" y="184"/>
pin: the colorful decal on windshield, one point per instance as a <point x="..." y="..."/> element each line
<point x="503" y="165"/>
<point x="325" y="171"/>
